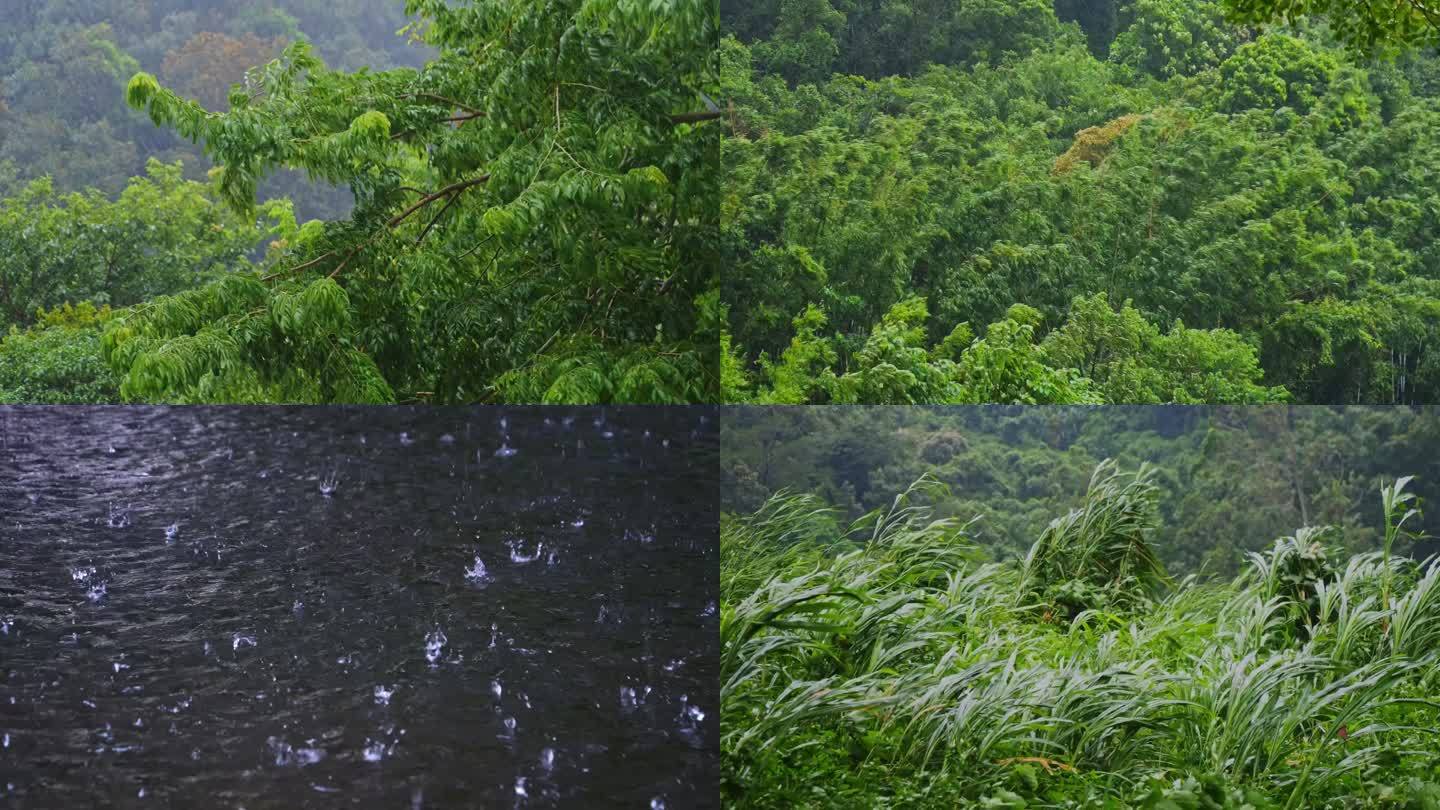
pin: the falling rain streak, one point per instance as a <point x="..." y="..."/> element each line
<point x="391" y="607"/>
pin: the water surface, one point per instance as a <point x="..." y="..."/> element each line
<point x="327" y="607"/>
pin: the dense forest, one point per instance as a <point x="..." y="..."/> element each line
<point x="890" y="663"/>
<point x="1090" y="201"/>
<point x="1229" y="480"/>
<point x="359" y="201"/>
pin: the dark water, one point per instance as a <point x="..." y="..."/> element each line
<point x="187" y="619"/>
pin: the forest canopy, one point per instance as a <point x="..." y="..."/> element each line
<point x="1127" y="201"/>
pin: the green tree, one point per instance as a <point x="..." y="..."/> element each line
<point x="162" y="234"/>
<point x="57" y="360"/>
<point x="534" y="225"/>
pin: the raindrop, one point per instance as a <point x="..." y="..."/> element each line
<point x="434" y="644"/>
<point x="476" y="574"/>
<point x="119" y="518"/>
<point x="374" y="751"/>
<point x="518" y="555"/>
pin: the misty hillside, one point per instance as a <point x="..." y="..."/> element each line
<point x="64" y="65"/>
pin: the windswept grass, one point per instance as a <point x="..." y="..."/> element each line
<point x="889" y="664"/>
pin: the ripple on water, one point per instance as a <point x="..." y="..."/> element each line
<point x="366" y="577"/>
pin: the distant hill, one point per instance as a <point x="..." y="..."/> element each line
<point x="64" y="65"/>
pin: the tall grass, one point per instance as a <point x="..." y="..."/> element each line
<point x="889" y="664"/>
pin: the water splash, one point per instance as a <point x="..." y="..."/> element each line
<point x="240" y="640"/>
<point x="640" y="536"/>
<point x="119" y="518"/>
<point x="477" y="574"/>
<point x="374" y="751"/>
<point x="330" y="483"/>
<point x="434" y="645"/>
<point x="630" y="698"/>
<point x="171" y="532"/>
<point x="383" y="694"/>
<point x="96" y="592"/>
<point x="547" y="759"/>
<point x="518" y="555"/>
<point x="496" y="689"/>
<point x="505" y="450"/>
<point x="285" y="754"/>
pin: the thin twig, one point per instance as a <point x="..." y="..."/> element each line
<point x="454" y="189"/>
<point x="452" y="102"/>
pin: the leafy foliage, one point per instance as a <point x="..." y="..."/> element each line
<point x="890" y="664"/>
<point x="57" y="360"/>
<point x="160" y="235"/>
<point x="533" y="221"/>
<point x="1252" y="205"/>
<point x="1099" y="555"/>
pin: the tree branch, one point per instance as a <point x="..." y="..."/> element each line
<point x="443" y="100"/>
<point x="453" y="191"/>
<point x="696" y="117"/>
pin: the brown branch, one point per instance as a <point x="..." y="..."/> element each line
<point x="436" y="220"/>
<point x="696" y="117"/>
<point x="442" y="99"/>
<point x="426" y="200"/>
<point x="318" y="259"/>
<point x="454" y="189"/>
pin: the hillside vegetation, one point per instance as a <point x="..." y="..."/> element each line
<point x="1117" y="201"/>
<point x="888" y="663"/>
<point x="1230" y="479"/>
